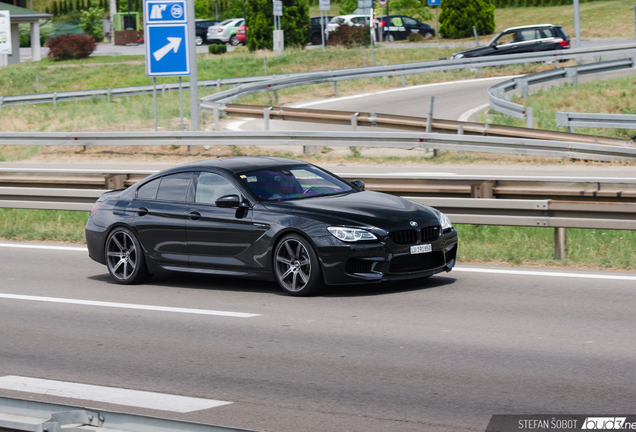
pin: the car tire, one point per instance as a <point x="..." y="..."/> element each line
<point x="315" y="39"/>
<point x="296" y="266"/>
<point x="198" y="40"/>
<point x="428" y="35"/>
<point x="234" y="41"/>
<point x="125" y="258"/>
<point x="389" y="37"/>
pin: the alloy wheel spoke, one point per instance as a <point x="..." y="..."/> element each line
<point x="119" y="263"/>
<point x="303" y="276"/>
<point x="294" y="281"/>
<point x="121" y="248"/>
<point x="114" y="254"/>
<point x="287" y="273"/>
<point x="289" y="250"/>
<point x="283" y="260"/>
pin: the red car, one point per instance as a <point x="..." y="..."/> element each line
<point x="241" y="35"/>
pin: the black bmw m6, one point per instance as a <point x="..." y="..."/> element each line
<point x="266" y="218"/>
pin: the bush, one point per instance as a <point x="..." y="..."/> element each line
<point x="71" y="46"/>
<point x="91" y="23"/>
<point x="260" y="18"/>
<point x="457" y="18"/>
<point x="217" y="49"/>
<point x="350" y="36"/>
<point x="416" y="37"/>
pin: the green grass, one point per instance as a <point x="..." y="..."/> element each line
<point x="43" y="225"/>
<point x="604" y="249"/>
<point x="613" y="96"/>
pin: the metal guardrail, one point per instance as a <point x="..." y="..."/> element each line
<point x="409" y="140"/>
<point x="610" y="121"/>
<point x="541" y="213"/>
<point x="497" y="93"/>
<point x="214" y="103"/>
<point x="28" y="415"/>
<point x="26" y="183"/>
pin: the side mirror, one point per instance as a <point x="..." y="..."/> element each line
<point x="359" y="184"/>
<point x="230" y="201"/>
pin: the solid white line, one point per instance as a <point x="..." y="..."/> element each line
<point x="112" y="395"/>
<point x="467" y="114"/>
<point x="544" y="273"/>
<point x="409" y="88"/>
<point x="128" y="306"/>
<point x="30" y="246"/>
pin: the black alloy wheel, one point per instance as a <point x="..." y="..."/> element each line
<point x="296" y="266"/>
<point x="315" y="39"/>
<point x="124" y="257"/>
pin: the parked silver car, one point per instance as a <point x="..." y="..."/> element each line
<point x="225" y="32"/>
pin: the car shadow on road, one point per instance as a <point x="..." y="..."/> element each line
<point x="219" y="283"/>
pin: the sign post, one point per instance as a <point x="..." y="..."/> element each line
<point x="437" y="4"/>
<point x="278" y="33"/>
<point x="168" y="46"/>
<point x="5" y="36"/>
<point x="325" y="5"/>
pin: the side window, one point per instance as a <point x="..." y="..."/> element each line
<point x="410" y="21"/>
<point x="507" y="38"/>
<point x="211" y="187"/>
<point x="174" y="187"/>
<point x="148" y="191"/>
<point x="545" y="34"/>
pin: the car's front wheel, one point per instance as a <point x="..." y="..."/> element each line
<point x="296" y="266"/>
<point x="125" y="258"/>
<point x="428" y="35"/>
<point x="315" y="39"/>
<point x="198" y="40"/>
<point x="389" y="37"/>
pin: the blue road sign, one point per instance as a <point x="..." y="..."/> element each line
<point x="166" y="28"/>
<point x="434" y="2"/>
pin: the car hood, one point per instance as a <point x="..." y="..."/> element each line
<point x="372" y="209"/>
<point x="475" y="51"/>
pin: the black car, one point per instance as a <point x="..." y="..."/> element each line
<point x="315" y="29"/>
<point x="266" y="218"/>
<point x="399" y="27"/>
<point x="201" y="30"/>
<point x="515" y="40"/>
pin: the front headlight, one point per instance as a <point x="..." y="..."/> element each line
<point x="351" y="234"/>
<point x="445" y="221"/>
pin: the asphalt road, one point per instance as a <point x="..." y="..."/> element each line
<point x="442" y="354"/>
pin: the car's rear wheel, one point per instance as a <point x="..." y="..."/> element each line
<point x="234" y="41"/>
<point x="125" y="258"/>
<point x="315" y="39"/>
<point x="198" y="40"/>
<point x="296" y="266"/>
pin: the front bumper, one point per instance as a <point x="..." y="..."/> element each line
<point x="368" y="262"/>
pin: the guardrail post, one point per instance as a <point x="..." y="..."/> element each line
<point x="37" y="84"/>
<point x="108" y="94"/>
<point x="218" y="84"/>
<point x="275" y="97"/>
<point x="460" y="131"/>
<point x="163" y="90"/>
<point x="335" y="88"/>
<point x="1" y="102"/>
<point x="362" y="54"/>
<point x="574" y="74"/>
<point x="482" y="190"/>
<point x="429" y="120"/>
<point x="529" y="118"/>
<point x="354" y="121"/>
<point x="216" y="116"/>
<point x="54" y="99"/>
<point x="403" y="81"/>
<point x="560" y="244"/>
<point x="266" y="117"/>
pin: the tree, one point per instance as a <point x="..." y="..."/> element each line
<point x="202" y="9"/>
<point x="415" y="8"/>
<point x="91" y="23"/>
<point x="457" y="18"/>
<point x="260" y="20"/>
<point x="55" y="11"/>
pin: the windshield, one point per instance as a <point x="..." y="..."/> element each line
<point x="305" y="181"/>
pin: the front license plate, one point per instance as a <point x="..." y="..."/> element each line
<point x="418" y="249"/>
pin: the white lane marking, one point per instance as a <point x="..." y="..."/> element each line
<point x="128" y="306"/>
<point x="543" y="273"/>
<point x="467" y="114"/>
<point x="30" y="246"/>
<point x="112" y="395"/>
<point x="408" y="88"/>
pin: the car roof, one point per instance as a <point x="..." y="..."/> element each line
<point x="529" y="26"/>
<point x="238" y="164"/>
<point x="350" y="16"/>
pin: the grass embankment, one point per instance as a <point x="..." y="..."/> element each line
<point x="614" y="96"/>
<point x="601" y="249"/>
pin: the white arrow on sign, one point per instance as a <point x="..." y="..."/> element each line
<point x="173" y="44"/>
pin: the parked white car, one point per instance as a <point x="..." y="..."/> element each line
<point x="351" y="20"/>
<point x="225" y="32"/>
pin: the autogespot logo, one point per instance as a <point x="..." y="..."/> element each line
<point x="605" y="423"/>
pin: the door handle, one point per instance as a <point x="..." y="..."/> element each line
<point x="194" y="215"/>
<point x="142" y="211"/>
